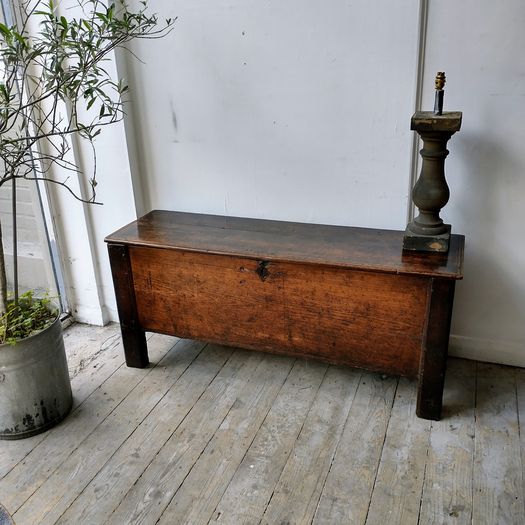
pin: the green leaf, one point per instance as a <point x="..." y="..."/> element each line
<point x="122" y="88"/>
<point x="29" y="316"/>
<point x="64" y="58"/>
<point x="5" y="30"/>
<point x="20" y="39"/>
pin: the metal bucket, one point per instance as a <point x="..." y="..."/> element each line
<point x="35" y="390"/>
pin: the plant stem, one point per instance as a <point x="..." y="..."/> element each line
<point x="3" y="279"/>
<point x="15" y="243"/>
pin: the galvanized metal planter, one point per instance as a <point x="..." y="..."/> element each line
<point x="35" y="390"/>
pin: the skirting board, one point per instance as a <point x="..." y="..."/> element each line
<point x="505" y="353"/>
<point x="97" y="316"/>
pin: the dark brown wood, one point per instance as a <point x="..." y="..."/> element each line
<point x="343" y="295"/>
<point x="364" y="319"/>
<point x="336" y="246"/>
<point x="435" y="349"/>
<point x="133" y="335"/>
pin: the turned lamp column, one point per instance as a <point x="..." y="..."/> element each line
<point x="427" y="232"/>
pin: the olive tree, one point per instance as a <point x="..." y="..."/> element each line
<point x="54" y="88"/>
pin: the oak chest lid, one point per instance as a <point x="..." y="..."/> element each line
<point x="363" y="249"/>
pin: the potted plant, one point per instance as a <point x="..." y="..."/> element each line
<point x="53" y="88"/>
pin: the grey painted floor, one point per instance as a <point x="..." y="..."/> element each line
<point x="209" y="434"/>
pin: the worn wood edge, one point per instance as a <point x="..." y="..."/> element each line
<point x="110" y="238"/>
<point x="296" y="260"/>
<point x="298" y="355"/>
<point x="118" y="237"/>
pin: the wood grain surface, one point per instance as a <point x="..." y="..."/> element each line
<point x="299" y="488"/>
<point x="356" y="248"/>
<point x="498" y="495"/>
<point x="117" y="476"/>
<point x="160" y="481"/>
<point x="69" y="463"/>
<point x="350" y="482"/>
<point x="398" y="485"/>
<point x="447" y="491"/>
<point x="380" y="465"/>
<point x="250" y="489"/>
<point x="366" y="319"/>
<point x="339" y="294"/>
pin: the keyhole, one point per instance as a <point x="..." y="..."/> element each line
<point x="262" y="270"/>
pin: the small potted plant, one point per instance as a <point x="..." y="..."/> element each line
<point x="53" y="88"/>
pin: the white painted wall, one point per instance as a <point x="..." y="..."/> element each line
<point x="81" y="228"/>
<point x="300" y="110"/>
<point x="480" y="44"/>
<point x="292" y="110"/>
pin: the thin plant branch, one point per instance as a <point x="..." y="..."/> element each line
<point x="55" y="90"/>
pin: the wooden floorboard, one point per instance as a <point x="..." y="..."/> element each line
<point x="82" y="462"/>
<point x="210" y="434"/>
<point x="447" y="492"/>
<point x="157" y="485"/>
<point x="396" y="495"/>
<point x="498" y="483"/>
<point x="346" y="498"/>
<point x="103" y="494"/>
<point x="248" y="493"/>
<point x="197" y="497"/>
<point x="299" y="488"/>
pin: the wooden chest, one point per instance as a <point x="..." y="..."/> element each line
<point x="344" y="295"/>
